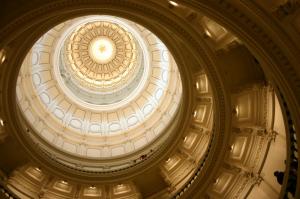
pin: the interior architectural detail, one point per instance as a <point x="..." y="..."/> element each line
<point x="149" y="99"/>
<point x="101" y="53"/>
<point x="99" y="127"/>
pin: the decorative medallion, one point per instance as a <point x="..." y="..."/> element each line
<point x="101" y="54"/>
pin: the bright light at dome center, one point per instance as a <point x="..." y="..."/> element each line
<point x="102" y="50"/>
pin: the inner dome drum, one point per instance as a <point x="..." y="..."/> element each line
<point x="106" y="88"/>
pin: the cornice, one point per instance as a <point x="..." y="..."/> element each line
<point x="268" y="47"/>
<point x="265" y="40"/>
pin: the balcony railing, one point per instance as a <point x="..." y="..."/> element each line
<point x="290" y="187"/>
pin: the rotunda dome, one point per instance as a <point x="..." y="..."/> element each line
<point x="93" y="106"/>
<point x="106" y="88"/>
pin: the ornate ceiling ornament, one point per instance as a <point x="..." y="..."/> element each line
<point x="101" y="54"/>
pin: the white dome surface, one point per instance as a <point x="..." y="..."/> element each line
<point x="102" y="97"/>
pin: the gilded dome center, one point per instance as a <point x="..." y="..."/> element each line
<point x="102" y="55"/>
